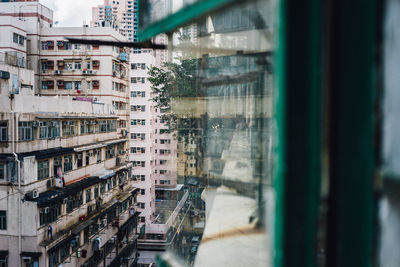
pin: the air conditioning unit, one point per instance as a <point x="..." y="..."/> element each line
<point x="35" y="124"/>
<point x="65" y="200"/>
<point x="40" y="123"/>
<point x="60" y="43"/>
<point x="79" y="156"/>
<point x="90" y="154"/>
<point x="57" y="162"/>
<point x="104" y="221"/>
<point x="53" y="123"/>
<point x="50" y="43"/>
<point x="92" y="122"/>
<point x="27" y="259"/>
<point x="60" y="83"/>
<point x="85" y="72"/>
<point x="114" y="73"/>
<point x="35" y="193"/>
<point x="85" y="123"/>
<point x="66" y="160"/>
<point x="46" y="210"/>
<point x="57" y="72"/>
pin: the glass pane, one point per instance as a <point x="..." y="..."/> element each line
<point x="213" y="89"/>
<point x="389" y="204"/>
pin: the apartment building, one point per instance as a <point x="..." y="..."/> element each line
<point x="142" y="134"/>
<point x="119" y="14"/>
<point x="86" y="72"/>
<point x="66" y="194"/>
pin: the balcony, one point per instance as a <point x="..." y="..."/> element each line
<point x="14" y="60"/>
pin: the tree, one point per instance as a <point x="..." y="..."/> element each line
<point x="173" y="80"/>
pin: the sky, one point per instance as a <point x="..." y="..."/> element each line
<point x="71" y="13"/>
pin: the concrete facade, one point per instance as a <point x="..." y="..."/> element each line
<point x="63" y="152"/>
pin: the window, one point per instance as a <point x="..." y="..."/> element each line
<point x="142" y="205"/>
<point x="2" y="171"/>
<point x="15" y="38"/>
<point x="49" y="214"/>
<point x="21" y="40"/>
<point x="143" y="65"/>
<point x="98" y="151"/>
<point x="78" y="85"/>
<point x="138" y="150"/>
<point x="165" y="151"/>
<point x="69" y="128"/>
<point x="138" y="122"/>
<point x="165" y="131"/>
<point x="67" y="46"/>
<point x="141" y="108"/>
<point x="3" y="131"/>
<point x="139" y="164"/>
<point x="44" y="85"/>
<point x="79" y="157"/>
<point x="142" y="191"/>
<point x="102" y="188"/>
<point x="163" y="171"/>
<point x="142" y="219"/>
<point x="102" y="127"/>
<point x="67" y="85"/>
<point x="88" y="195"/>
<point x="68" y="65"/>
<point x="110" y="151"/>
<point x="44" y="46"/>
<point x="49" y="129"/>
<point x="74" y="201"/>
<point x="53" y="258"/>
<point x="77" y="65"/>
<point x="96" y="191"/>
<point x="64" y="251"/>
<point x="25" y="132"/>
<point x="3" y="220"/>
<point x="77" y="46"/>
<point x="140" y="136"/>
<point x="165" y="141"/>
<point x="43" y="169"/>
<point x="88" y="85"/>
<point x="68" y="163"/>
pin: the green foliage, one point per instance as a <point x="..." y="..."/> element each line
<point x="173" y="80"/>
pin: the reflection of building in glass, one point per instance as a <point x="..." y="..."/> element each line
<point x="229" y="135"/>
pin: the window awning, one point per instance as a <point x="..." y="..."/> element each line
<point x="47" y="153"/>
<point x="84" y="148"/>
<point x="104" y="173"/>
<point x="112" y="142"/>
<point x="80" y="227"/>
<point x="178" y="187"/>
<point x="31" y="254"/>
<point x="50" y="197"/>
